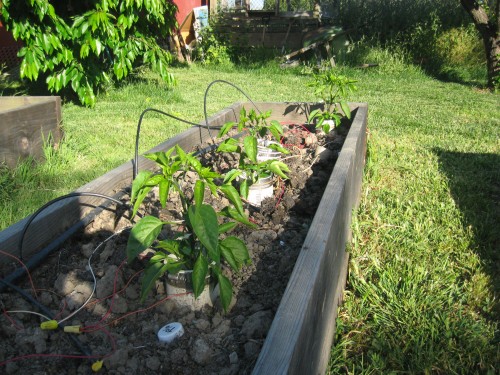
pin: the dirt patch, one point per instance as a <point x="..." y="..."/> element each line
<point x="122" y="330"/>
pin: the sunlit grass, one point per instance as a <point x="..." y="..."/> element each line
<point x="422" y="293"/>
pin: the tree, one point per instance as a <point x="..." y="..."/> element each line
<point x="82" y="45"/>
<point x="485" y="15"/>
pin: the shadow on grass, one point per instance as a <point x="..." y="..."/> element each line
<point x="474" y="181"/>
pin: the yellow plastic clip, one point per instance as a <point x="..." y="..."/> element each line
<point x="96" y="366"/>
<point x="72" y="329"/>
<point x="49" y="325"/>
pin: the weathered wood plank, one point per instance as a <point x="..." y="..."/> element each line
<point x="25" y="123"/>
<point x="300" y="337"/>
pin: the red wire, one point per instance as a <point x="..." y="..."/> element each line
<point x="281" y="194"/>
<point x="96" y="327"/>
<point x="12" y="321"/>
<point x="27" y="356"/>
<point x="24" y="266"/>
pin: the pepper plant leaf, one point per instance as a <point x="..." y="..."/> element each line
<point x="199" y="193"/>
<point x="203" y="219"/>
<point x="346" y="109"/>
<point x="200" y="272"/>
<point x="138" y="183"/>
<point x="164" y="188"/>
<point x="235" y="252"/>
<point x="232" y="194"/>
<point x="250" y="145"/>
<point x="226" y="227"/>
<point x="142" y="235"/>
<point x="152" y="273"/>
<point x="226" y="128"/>
<point x="225" y="289"/>
<point x="276" y="129"/>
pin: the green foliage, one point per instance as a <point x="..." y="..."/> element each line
<point x="211" y="49"/>
<point x="250" y="167"/>
<point x="333" y="89"/>
<point x="198" y="243"/>
<point x="389" y="19"/>
<point x="83" y="48"/>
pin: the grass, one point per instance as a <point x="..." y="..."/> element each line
<point x="422" y="293"/>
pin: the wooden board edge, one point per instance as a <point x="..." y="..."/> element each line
<point x="286" y="347"/>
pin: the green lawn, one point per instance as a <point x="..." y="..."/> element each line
<point x="422" y="293"/>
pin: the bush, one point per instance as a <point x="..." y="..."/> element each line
<point x="388" y="19"/>
<point x="81" y="48"/>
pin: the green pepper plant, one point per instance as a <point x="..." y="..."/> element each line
<point x="333" y="89"/>
<point x="200" y="242"/>
<point x="250" y="169"/>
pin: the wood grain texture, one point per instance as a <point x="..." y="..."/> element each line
<point x="25" y="122"/>
<point x="301" y="334"/>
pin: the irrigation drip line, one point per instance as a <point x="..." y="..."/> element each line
<point x="50" y="203"/>
<point x="205" y="101"/>
<point x="78" y="344"/>
<point x="36" y="259"/>
<point x="135" y="162"/>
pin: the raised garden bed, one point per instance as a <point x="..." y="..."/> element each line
<point x="301" y="334"/>
<point x="25" y="123"/>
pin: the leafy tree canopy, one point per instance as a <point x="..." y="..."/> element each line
<point x="81" y="45"/>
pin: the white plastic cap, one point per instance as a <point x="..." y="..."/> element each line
<point x="170" y="332"/>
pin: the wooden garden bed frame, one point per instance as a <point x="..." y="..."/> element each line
<point x="26" y="122"/>
<point x="302" y="331"/>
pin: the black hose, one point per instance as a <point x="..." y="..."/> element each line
<point x="205" y="102"/>
<point x="135" y="162"/>
<point x="70" y="195"/>
<point x="78" y="344"/>
<point x="36" y="259"/>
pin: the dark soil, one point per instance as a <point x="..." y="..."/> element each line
<point x="122" y="331"/>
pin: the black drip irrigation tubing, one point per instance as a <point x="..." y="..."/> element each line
<point x="36" y="259"/>
<point x="76" y="342"/>
<point x="135" y="162"/>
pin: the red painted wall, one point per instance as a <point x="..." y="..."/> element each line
<point x="8" y="48"/>
<point x="185" y="6"/>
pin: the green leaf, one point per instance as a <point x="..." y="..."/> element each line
<point x="250" y="144"/>
<point x="238" y="249"/>
<point x="226" y="291"/>
<point x="244" y="189"/>
<point x="200" y="272"/>
<point x="199" y="193"/>
<point x="232" y="194"/>
<point x="203" y="219"/>
<point x="313" y="115"/>
<point x="229" y="145"/>
<point x="231" y="175"/>
<point x="345" y="109"/>
<point x="171" y="246"/>
<point x="152" y="273"/>
<point x="142" y="235"/>
<point x="223" y="228"/>
<point x="276" y="130"/>
<point x="226" y="128"/>
<point x="164" y="188"/>
<point x="235" y="215"/>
